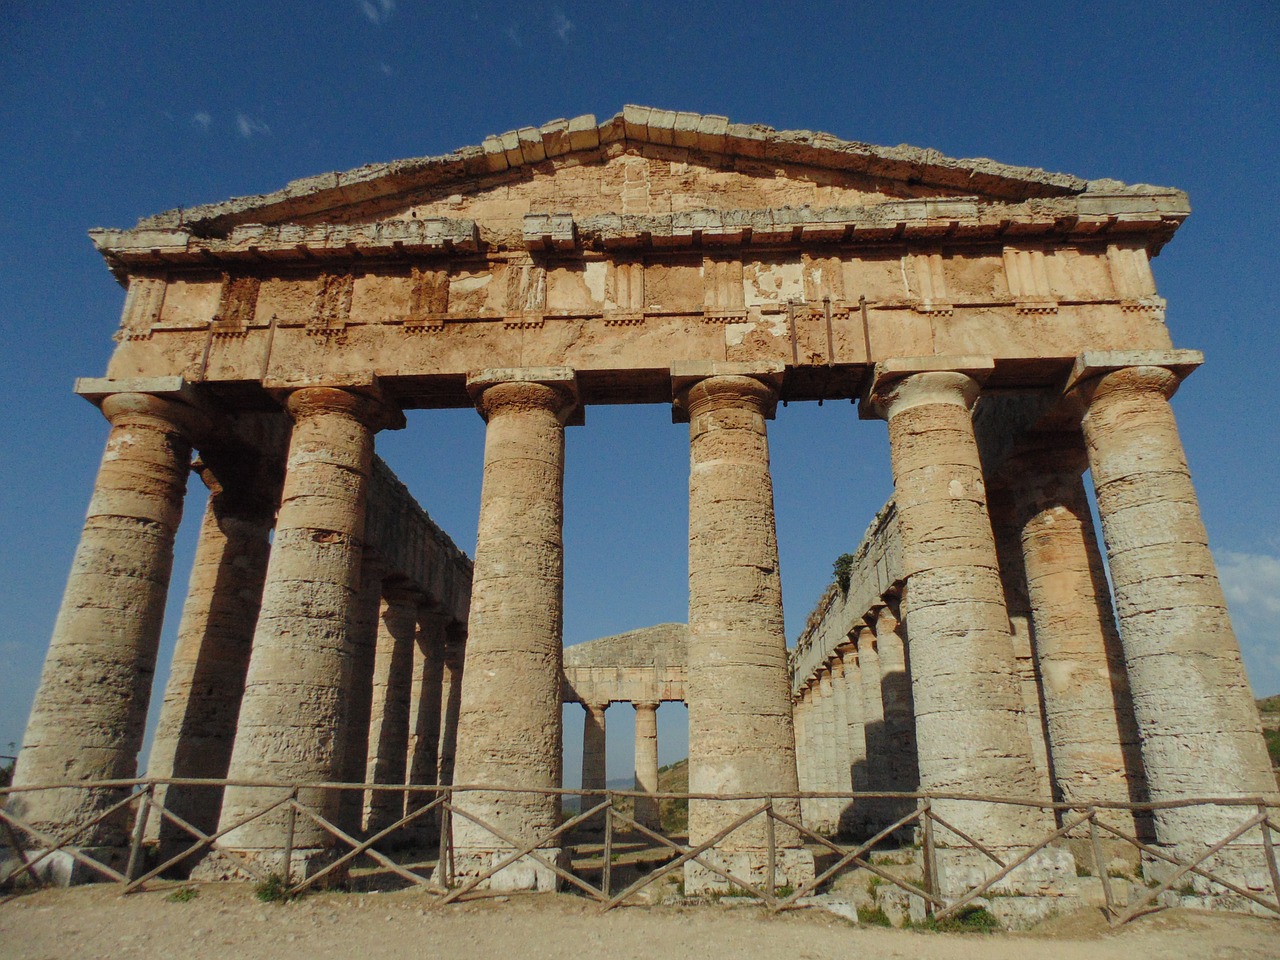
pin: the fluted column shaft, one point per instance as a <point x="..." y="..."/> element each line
<point x="91" y="706"/>
<point x="740" y="730"/>
<point x="292" y="714"/>
<point x="1084" y="685"/>
<point x="1195" y="712"/>
<point x="593" y="748"/>
<point x="197" y="725"/>
<point x="827" y="746"/>
<point x="899" y="702"/>
<point x="971" y="731"/>
<point x="851" y="692"/>
<point x="357" y="684"/>
<point x="451" y="702"/>
<point x="647" y="764"/>
<point x="509" y="730"/>
<point x="425" y="718"/>
<point x="840" y="777"/>
<point x="388" y="748"/>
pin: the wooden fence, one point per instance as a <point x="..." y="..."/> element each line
<point x="138" y="796"/>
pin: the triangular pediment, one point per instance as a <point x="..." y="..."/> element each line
<point x="661" y="176"/>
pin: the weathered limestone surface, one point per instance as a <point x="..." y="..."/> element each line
<point x="875" y="732"/>
<point x="90" y="710"/>
<point x="593" y="749"/>
<point x="389" y="718"/>
<point x="426" y="714"/>
<point x="293" y="699"/>
<point x="901" y="766"/>
<point x="509" y="729"/>
<point x="197" y="725"/>
<point x="451" y="698"/>
<point x="357" y="684"/>
<point x="740" y="732"/>
<point x="1195" y="713"/>
<point x="851" y="692"/>
<point x="1084" y="683"/>
<point x="648" y="665"/>
<point x="971" y="733"/>
<point x="651" y="255"/>
<point x="646" y="763"/>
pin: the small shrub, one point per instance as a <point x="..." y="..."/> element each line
<point x="873" y="917"/>
<point x="843" y="570"/>
<point x="784" y="891"/>
<point x="272" y="890"/>
<point x="968" y="920"/>
<point x="185" y="895"/>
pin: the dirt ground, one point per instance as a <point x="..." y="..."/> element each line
<point x="225" y="921"/>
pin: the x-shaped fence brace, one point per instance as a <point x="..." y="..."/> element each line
<point x="144" y="801"/>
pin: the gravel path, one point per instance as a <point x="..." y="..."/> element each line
<point x="226" y="922"/>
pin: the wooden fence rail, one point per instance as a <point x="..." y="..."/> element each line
<point x="32" y="845"/>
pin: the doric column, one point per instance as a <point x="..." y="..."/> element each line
<point x="1084" y="685"/>
<point x="841" y="781"/>
<point x="901" y="768"/>
<point x="740" y="731"/>
<point x="970" y="730"/>
<point x="357" y="685"/>
<point x="509" y="732"/>
<point x="197" y="725"/>
<point x="1005" y="525"/>
<point x="647" y="764"/>
<point x="388" y="748"/>
<point x="1195" y="712"/>
<point x="826" y="745"/>
<point x="804" y="751"/>
<point x="292" y="712"/>
<point x="425" y="716"/>
<point x="91" y="707"/>
<point x="451" y="699"/>
<point x="875" y="770"/>
<point x="851" y="691"/>
<point x="593" y="757"/>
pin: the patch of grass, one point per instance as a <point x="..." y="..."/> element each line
<point x="273" y="890"/>
<point x="185" y="895"/>
<point x="968" y="920"/>
<point x="873" y="917"/>
<point x="1082" y="870"/>
<point x="874" y="884"/>
<point x="784" y="891"/>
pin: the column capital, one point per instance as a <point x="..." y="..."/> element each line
<point x="644" y="705"/>
<point x="1093" y="366"/>
<point x="170" y="400"/>
<point x="905" y="382"/>
<point x="367" y="404"/>
<point x="528" y="388"/>
<point x="697" y="386"/>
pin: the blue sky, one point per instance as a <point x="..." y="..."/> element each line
<point x="111" y="112"/>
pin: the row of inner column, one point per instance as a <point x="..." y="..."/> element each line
<point x="1155" y="707"/>
<point x="646" y="758"/>
<point x="1190" y="699"/>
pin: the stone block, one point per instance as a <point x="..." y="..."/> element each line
<point x="583" y="132"/>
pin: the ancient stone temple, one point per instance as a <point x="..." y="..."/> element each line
<point x="1001" y="320"/>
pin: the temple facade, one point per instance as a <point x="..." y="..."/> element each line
<point x="1002" y="321"/>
